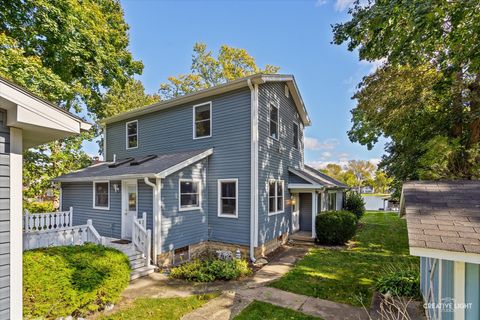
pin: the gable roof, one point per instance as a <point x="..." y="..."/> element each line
<point x="156" y="166"/>
<point x="442" y="215"/>
<point x="222" y="88"/>
<point x="316" y="177"/>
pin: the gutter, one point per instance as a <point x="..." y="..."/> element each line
<point x="156" y="216"/>
<point x="253" y="169"/>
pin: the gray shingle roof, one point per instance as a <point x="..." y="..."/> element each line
<point x="321" y="175"/>
<point x="149" y="168"/>
<point x="443" y="215"/>
<point x="318" y="177"/>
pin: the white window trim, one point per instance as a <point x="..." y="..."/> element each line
<point x="276" y="196"/>
<point x="298" y="136"/>
<point x="193" y="121"/>
<point x="180" y="195"/>
<point x="101" y="208"/>
<point x="219" y="198"/>
<point x="126" y="135"/>
<point x="276" y="105"/>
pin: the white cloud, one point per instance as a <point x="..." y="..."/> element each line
<point x="341" y="5"/>
<point x="320" y="3"/>
<point x="342" y="161"/>
<point x="326" y="154"/>
<point x="343" y="156"/>
<point x="374" y="65"/>
<point x="315" y="144"/>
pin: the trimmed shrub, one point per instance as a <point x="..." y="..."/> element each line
<point x="335" y="227"/>
<point x="39" y="207"/>
<point x="211" y="270"/>
<point x="400" y="283"/>
<point x="74" y="280"/>
<point x="355" y="204"/>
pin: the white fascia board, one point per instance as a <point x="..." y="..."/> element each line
<point x="108" y="178"/>
<point x="184" y="164"/>
<point x="446" y="255"/>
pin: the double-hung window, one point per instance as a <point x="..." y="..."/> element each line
<point x="274" y="129"/>
<point x="275" y="196"/>
<point x="332" y="201"/>
<point x="101" y="195"/>
<point x="189" y="194"/>
<point x="228" y="198"/>
<point x="295" y="136"/>
<point x="202" y="120"/>
<point x="131" y="129"/>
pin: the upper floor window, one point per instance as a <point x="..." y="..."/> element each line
<point x="275" y="196"/>
<point x="101" y="195"/>
<point x="274" y="121"/>
<point x="189" y="194"/>
<point x="228" y="198"/>
<point x="131" y="129"/>
<point x="202" y="120"/>
<point x="295" y="136"/>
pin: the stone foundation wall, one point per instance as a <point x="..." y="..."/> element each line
<point x="198" y="249"/>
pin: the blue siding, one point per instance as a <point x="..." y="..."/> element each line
<point x="170" y="130"/>
<point x="79" y="195"/>
<point x="182" y="228"/>
<point x="145" y="202"/>
<point x="472" y="291"/>
<point x="275" y="156"/>
<point x="447" y="287"/>
<point x="4" y="217"/>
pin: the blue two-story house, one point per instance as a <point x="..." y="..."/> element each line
<point x="221" y="168"/>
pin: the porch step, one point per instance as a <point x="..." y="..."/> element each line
<point x="137" y="263"/>
<point x="302" y="238"/>
<point x="141" y="272"/>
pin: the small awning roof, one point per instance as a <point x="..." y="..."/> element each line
<point x="308" y="177"/>
<point x="154" y="166"/>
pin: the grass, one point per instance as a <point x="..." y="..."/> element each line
<point x="260" y="310"/>
<point x="155" y="308"/>
<point x="348" y="275"/>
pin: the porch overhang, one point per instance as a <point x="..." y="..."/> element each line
<point x="158" y="167"/>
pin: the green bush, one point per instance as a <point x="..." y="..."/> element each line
<point x="75" y="280"/>
<point x="39" y="207"/>
<point x="355" y="204"/>
<point x="211" y="270"/>
<point x="401" y="283"/>
<point x="335" y="227"/>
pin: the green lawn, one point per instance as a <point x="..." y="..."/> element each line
<point x="348" y="275"/>
<point x="260" y="310"/>
<point x="155" y="308"/>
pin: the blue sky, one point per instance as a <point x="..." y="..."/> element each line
<point x="292" y="34"/>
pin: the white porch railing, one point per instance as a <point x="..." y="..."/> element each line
<point x="141" y="237"/>
<point x="69" y="236"/>
<point x="47" y="221"/>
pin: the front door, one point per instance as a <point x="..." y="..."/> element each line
<point x="305" y="211"/>
<point x="130" y="208"/>
<point x="295" y="212"/>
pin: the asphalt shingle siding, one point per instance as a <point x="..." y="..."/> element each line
<point x="170" y="130"/>
<point x="4" y="218"/>
<point x="182" y="228"/>
<point x="275" y="156"/>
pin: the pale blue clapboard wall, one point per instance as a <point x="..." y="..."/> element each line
<point x="4" y="218"/>
<point x="275" y="156"/>
<point x="170" y="130"/>
<point x="472" y="291"/>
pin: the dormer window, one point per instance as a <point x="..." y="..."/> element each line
<point x="202" y="120"/>
<point x="274" y="121"/>
<point x="131" y="129"/>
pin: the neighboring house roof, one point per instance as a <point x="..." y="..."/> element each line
<point x="222" y="88"/>
<point x="156" y="166"/>
<point x="40" y="120"/>
<point x="442" y="215"/>
<point x="316" y="178"/>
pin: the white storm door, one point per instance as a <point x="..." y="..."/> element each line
<point x="296" y="213"/>
<point x="129" y="207"/>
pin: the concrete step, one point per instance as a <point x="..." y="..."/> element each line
<point x="141" y="272"/>
<point x="137" y="263"/>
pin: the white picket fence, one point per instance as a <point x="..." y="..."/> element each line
<point x="47" y="221"/>
<point x="69" y="236"/>
<point x="141" y="237"/>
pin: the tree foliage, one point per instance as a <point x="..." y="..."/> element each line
<point x="425" y="98"/>
<point x="207" y="70"/>
<point x="72" y="53"/>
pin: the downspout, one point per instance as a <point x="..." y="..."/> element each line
<point x="253" y="168"/>
<point x="156" y="215"/>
